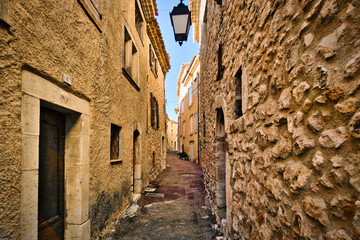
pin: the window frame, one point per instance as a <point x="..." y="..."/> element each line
<point x="190" y="95"/>
<point x="92" y="11"/>
<point x="131" y="60"/>
<point x="115" y="135"/>
<point x="153" y="61"/>
<point x="184" y="132"/>
<point x="191" y="124"/>
<point x="196" y="120"/>
<point x="140" y="23"/>
<point x="154" y="112"/>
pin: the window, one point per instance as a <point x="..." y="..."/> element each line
<point x="153" y="61"/>
<point x="115" y="142"/>
<point x="3" y="10"/>
<point x="153" y="160"/>
<point x="195" y="86"/>
<point x="139" y="21"/>
<point x="238" y="94"/>
<point x="221" y="68"/>
<point x="196" y="122"/>
<point x="154" y="106"/>
<point x="131" y="61"/>
<point x="190" y="97"/>
<point x="191" y="124"/>
<point x="92" y="8"/>
<point x="184" y="129"/>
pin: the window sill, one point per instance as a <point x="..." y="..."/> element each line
<point x="114" y="161"/>
<point x="93" y="14"/>
<point x="131" y="81"/>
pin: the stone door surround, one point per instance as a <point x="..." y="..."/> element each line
<point x="38" y="91"/>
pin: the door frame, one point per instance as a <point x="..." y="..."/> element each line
<point x="40" y="91"/>
<point x="136" y="163"/>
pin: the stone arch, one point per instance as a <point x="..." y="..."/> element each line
<point x="136" y="163"/>
<point x="220" y="136"/>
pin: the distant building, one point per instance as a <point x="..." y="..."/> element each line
<point x="171" y="133"/>
<point x="82" y="113"/>
<point x="187" y="110"/>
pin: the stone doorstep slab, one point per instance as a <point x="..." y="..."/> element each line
<point x="149" y="189"/>
<point x="157" y="195"/>
<point x="188" y="174"/>
<point x="131" y="210"/>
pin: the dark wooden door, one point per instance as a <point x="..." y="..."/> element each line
<point x="51" y="175"/>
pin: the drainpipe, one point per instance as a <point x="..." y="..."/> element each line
<point x="198" y="115"/>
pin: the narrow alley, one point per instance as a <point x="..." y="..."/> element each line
<point x="100" y="102"/>
<point x="175" y="210"/>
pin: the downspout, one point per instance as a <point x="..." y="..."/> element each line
<point x="198" y="115"/>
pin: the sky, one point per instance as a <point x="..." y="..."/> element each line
<point x="178" y="55"/>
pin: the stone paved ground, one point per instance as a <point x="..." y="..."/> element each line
<point x="180" y="214"/>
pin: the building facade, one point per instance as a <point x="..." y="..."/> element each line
<point x="188" y="94"/>
<point x="74" y="99"/>
<point x="171" y="133"/>
<point x="279" y="117"/>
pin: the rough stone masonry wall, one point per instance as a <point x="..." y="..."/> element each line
<point x="293" y="157"/>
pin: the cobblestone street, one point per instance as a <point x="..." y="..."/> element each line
<point x="179" y="214"/>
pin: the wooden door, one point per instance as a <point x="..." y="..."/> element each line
<point x="51" y="175"/>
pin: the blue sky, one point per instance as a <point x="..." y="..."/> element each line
<point x="178" y="55"/>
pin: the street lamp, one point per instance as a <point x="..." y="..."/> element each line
<point x="181" y="21"/>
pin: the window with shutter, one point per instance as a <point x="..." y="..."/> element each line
<point x="190" y="96"/>
<point x="157" y="114"/>
<point x="152" y="109"/>
<point x="4" y="10"/>
<point x="92" y="9"/>
<point x="153" y="61"/>
<point x="196" y="122"/>
<point x="131" y="61"/>
<point x="154" y="105"/>
<point x="139" y="21"/>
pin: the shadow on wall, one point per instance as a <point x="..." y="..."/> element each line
<point x="106" y="205"/>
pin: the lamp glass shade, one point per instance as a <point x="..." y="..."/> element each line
<point x="180" y="23"/>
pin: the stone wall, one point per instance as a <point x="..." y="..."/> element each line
<point x="49" y="38"/>
<point x="292" y="159"/>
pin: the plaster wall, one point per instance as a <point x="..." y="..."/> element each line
<point x="48" y="39"/>
<point x="185" y="136"/>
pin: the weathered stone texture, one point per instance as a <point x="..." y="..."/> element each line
<point x="293" y="156"/>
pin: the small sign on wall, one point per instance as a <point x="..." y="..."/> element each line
<point x="67" y="79"/>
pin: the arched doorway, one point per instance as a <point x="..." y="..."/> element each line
<point x="220" y="163"/>
<point x="136" y="164"/>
